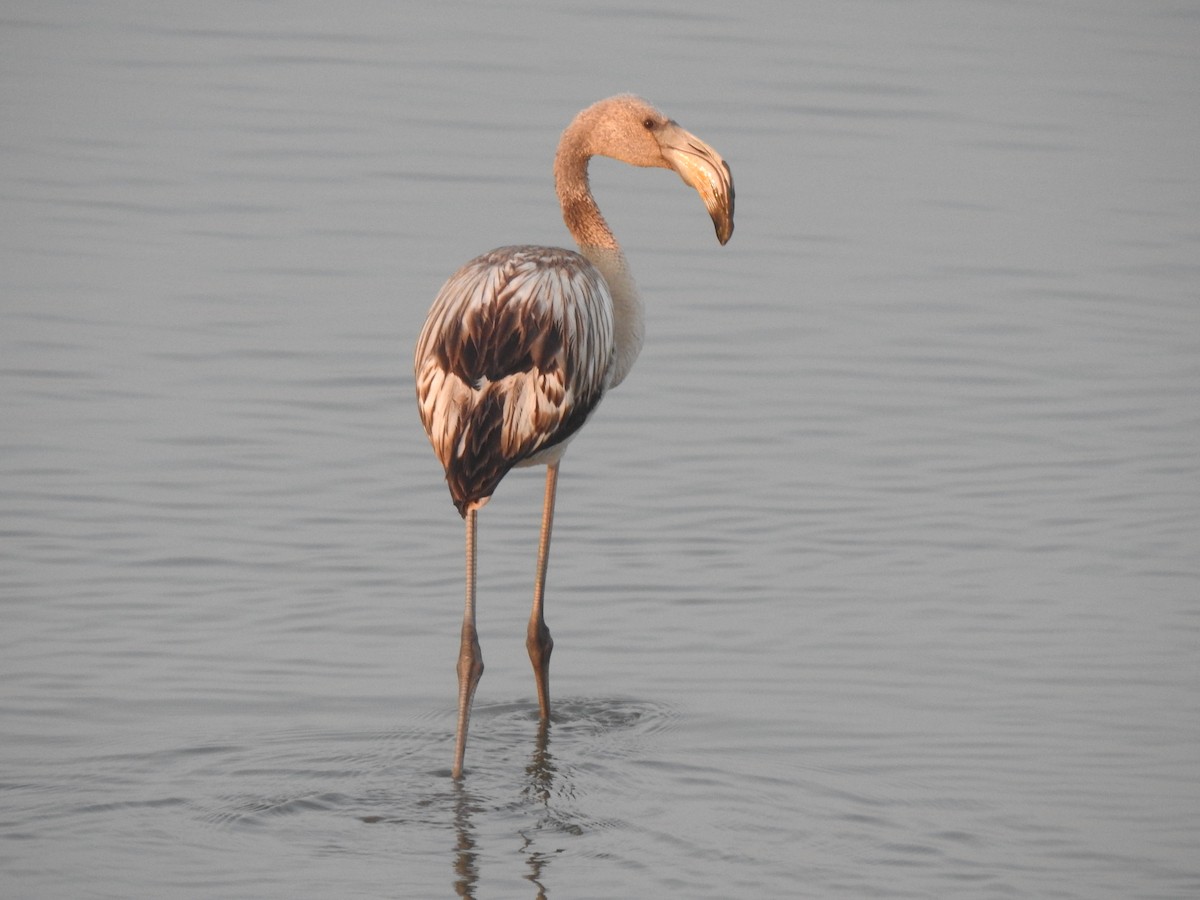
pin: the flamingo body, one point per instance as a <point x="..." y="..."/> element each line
<point x="514" y="356"/>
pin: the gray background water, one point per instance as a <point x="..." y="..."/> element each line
<point x="878" y="578"/>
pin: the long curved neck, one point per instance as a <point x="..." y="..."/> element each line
<point x="596" y="242"/>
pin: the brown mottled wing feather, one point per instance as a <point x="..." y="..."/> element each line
<point x="514" y="356"/>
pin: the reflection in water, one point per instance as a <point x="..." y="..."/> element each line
<point x="557" y="800"/>
<point x="538" y="786"/>
<point x="466" y="865"/>
<point x="538" y="790"/>
<point x="540" y="771"/>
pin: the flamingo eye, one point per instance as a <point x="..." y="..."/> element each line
<point x="649" y="124"/>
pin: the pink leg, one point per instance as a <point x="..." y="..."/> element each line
<point x="538" y="640"/>
<point x="470" y="660"/>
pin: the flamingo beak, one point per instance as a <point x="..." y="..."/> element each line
<point x="701" y="167"/>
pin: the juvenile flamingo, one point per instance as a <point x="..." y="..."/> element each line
<point x="523" y="342"/>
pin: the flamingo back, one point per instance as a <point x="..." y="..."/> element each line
<point x="515" y="354"/>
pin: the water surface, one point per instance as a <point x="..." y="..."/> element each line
<point x="878" y="576"/>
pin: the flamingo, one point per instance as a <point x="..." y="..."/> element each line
<point x="522" y="343"/>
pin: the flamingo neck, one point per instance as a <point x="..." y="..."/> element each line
<point x="598" y="244"/>
<point x="579" y="209"/>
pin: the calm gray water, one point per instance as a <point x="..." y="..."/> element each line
<point x="879" y="577"/>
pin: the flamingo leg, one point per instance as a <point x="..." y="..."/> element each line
<point x="538" y="640"/>
<point x="470" y="660"/>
